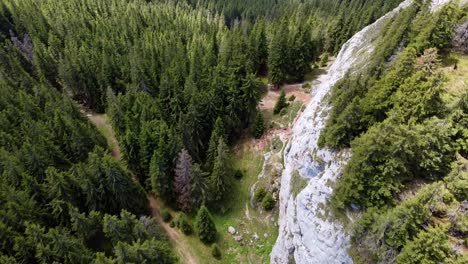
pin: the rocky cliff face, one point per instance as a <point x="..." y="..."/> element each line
<point x="307" y="231"/>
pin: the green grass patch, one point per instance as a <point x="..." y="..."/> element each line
<point x="298" y="183"/>
<point x="275" y="145"/>
<point x="245" y="219"/>
<point x="102" y="123"/>
<point x="457" y="79"/>
<point x="315" y="73"/>
<point x="288" y="116"/>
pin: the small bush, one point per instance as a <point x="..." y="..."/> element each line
<point x="324" y="59"/>
<point x="172" y="224"/>
<point x="292" y="98"/>
<point x="166" y="215"/>
<point x="238" y="174"/>
<point x="281" y="103"/>
<point x="185" y="225"/>
<point x="215" y="251"/>
<point x="268" y="203"/>
<point x="259" y="194"/>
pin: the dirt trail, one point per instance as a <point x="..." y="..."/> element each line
<point x="101" y="121"/>
<point x="268" y="102"/>
<point x="183" y="250"/>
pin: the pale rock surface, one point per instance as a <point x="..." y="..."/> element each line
<point x="306" y="233"/>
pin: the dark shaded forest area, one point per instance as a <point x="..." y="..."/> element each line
<point x="180" y="81"/>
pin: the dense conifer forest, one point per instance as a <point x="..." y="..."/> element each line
<point x="403" y="128"/>
<point x="181" y="82"/>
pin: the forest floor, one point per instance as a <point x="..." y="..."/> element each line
<point x="183" y="250"/>
<point x="261" y="162"/>
<point x="101" y="121"/>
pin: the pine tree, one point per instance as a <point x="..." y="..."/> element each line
<point x="259" y="125"/>
<point x="281" y="103"/>
<point x="324" y="59"/>
<point x="183" y="178"/>
<point x="205" y="226"/>
<point x="199" y="186"/>
<point x="251" y="94"/>
<point x="277" y="57"/>
<point x="220" y="176"/>
<point x="217" y="133"/>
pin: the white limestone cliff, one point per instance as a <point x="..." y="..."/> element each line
<point x="307" y="233"/>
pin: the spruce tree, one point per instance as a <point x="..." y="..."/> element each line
<point x="217" y="133"/>
<point x="281" y="103"/>
<point x="205" y="226"/>
<point x="219" y="178"/>
<point x="199" y="186"/>
<point x="251" y="94"/>
<point x="259" y="125"/>
<point x="277" y="57"/>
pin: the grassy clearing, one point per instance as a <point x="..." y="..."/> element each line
<point x="246" y="220"/>
<point x="102" y="123"/>
<point x="298" y="183"/>
<point x="457" y="79"/>
<point x="283" y="119"/>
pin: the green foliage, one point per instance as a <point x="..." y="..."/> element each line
<point x="267" y="202"/>
<point x="378" y="232"/>
<point x="457" y="180"/>
<point x="215" y="251"/>
<point x="259" y="126"/>
<point x="324" y="59"/>
<point x="205" y="226"/>
<point x="61" y="190"/>
<point x="127" y="228"/>
<point x="148" y="251"/>
<point x="259" y="194"/>
<point x="217" y="134"/>
<point x="184" y="224"/>
<point x="281" y="103"/>
<point x="292" y="98"/>
<point x="431" y="246"/>
<point x="166" y="215"/>
<point x="238" y="174"/>
<point x="391" y="154"/>
<point x="220" y="178"/>
<point x="393" y="116"/>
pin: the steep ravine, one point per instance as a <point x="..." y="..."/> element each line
<point x="307" y="232"/>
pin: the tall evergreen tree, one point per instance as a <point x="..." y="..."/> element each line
<point x="259" y="125"/>
<point x="205" y="226"/>
<point x="220" y="176"/>
<point x="199" y="186"/>
<point x="277" y="56"/>
<point x="217" y="133"/>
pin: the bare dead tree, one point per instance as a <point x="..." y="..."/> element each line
<point x="183" y="178"/>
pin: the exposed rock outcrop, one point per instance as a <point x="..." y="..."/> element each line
<point x="307" y="232"/>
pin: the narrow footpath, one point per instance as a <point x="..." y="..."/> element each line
<point x="183" y="251"/>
